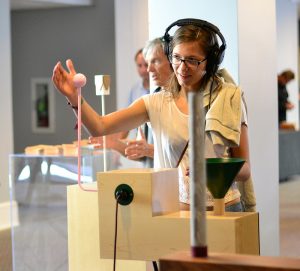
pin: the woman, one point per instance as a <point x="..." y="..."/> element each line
<point x="167" y="111"/>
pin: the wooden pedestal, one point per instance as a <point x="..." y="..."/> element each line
<point x="182" y="261"/>
<point x="83" y="234"/>
<point x="148" y="228"/>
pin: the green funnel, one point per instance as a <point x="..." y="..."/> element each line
<point x="221" y="173"/>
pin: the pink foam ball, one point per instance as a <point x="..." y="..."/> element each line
<point x="79" y="80"/>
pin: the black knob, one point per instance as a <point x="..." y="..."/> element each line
<point x="124" y="194"/>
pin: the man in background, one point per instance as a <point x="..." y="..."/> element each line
<point x="142" y="86"/>
<point x="283" y="102"/>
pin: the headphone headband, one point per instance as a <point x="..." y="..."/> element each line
<point x="216" y="56"/>
<point x="197" y="22"/>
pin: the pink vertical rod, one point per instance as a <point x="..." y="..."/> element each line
<point x="79" y="81"/>
<point x="197" y="175"/>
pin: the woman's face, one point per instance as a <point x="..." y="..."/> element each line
<point x="188" y="68"/>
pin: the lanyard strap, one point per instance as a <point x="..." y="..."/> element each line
<point x="182" y="154"/>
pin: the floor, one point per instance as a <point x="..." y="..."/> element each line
<point x="41" y="240"/>
<point x="45" y="226"/>
<point x="289" y="192"/>
<point x="5" y="250"/>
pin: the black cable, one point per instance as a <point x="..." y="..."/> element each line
<point x="123" y="196"/>
<point x="210" y="92"/>
<point x="155" y="267"/>
<point x="116" y="231"/>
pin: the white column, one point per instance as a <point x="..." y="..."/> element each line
<point x="249" y="28"/>
<point x="6" y="119"/>
<point x="257" y="72"/>
<point x="131" y="32"/>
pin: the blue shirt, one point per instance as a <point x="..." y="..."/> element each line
<point x="137" y="91"/>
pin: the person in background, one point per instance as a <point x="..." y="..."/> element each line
<point x="142" y="87"/>
<point x="160" y="71"/>
<point x="192" y="53"/>
<point x="283" y="102"/>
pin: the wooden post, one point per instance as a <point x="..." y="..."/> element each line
<point x="197" y="175"/>
<point x="219" y="206"/>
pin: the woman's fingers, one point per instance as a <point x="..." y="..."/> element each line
<point x="71" y="67"/>
<point x="135" y="150"/>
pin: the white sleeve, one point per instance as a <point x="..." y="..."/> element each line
<point x="244" y="117"/>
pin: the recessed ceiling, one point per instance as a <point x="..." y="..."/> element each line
<point x="44" y="4"/>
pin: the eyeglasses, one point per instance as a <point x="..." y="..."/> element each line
<point x="189" y="62"/>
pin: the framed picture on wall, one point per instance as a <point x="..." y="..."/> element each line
<point x="42" y="105"/>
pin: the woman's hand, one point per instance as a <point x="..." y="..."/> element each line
<point x="137" y="149"/>
<point x="63" y="81"/>
<point x="111" y="141"/>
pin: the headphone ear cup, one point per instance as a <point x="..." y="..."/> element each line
<point x="215" y="58"/>
<point x="166" y="43"/>
<point x="213" y="61"/>
<point x="221" y="53"/>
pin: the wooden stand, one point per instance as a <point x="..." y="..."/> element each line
<point x="219" y="206"/>
<point x="83" y="234"/>
<point x="230" y="262"/>
<point x="148" y="228"/>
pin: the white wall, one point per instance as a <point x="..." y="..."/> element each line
<point x="255" y="40"/>
<point x="287" y="50"/>
<point x="6" y="145"/>
<point x="42" y="37"/>
<point x="257" y="72"/>
<point x="131" y="32"/>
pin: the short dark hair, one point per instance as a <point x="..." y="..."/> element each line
<point x="140" y="51"/>
<point x="288" y="75"/>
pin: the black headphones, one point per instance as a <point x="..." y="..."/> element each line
<point x="216" y="55"/>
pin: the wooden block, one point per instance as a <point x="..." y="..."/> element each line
<point x="52" y="150"/>
<point x="156" y="191"/>
<point x="233" y="233"/>
<point x="152" y="225"/>
<point x="180" y="261"/>
<point x="34" y="150"/>
<point x="43" y="150"/>
<point x="69" y="150"/>
<point x="83" y="234"/>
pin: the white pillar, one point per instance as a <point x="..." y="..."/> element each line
<point x="257" y="73"/>
<point x="6" y="118"/>
<point x="131" y="32"/>
<point x="249" y="28"/>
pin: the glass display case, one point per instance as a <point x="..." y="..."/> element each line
<point x="39" y="205"/>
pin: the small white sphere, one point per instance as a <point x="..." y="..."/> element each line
<point x="79" y="80"/>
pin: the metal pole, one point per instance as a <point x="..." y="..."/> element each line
<point x="197" y="175"/>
